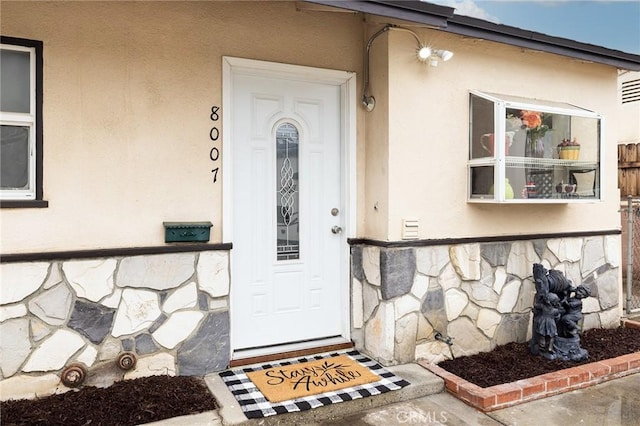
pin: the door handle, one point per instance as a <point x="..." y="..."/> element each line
<point x="336" y="229"/>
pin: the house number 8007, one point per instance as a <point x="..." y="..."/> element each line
<point x="214" y="135"/>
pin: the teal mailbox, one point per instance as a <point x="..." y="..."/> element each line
<point x="187" y="232"/>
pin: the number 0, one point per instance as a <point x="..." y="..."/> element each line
<point x="214" y="154"/>
<point x="214" y="134"/>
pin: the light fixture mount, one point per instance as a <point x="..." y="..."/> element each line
<point x="424" y="53"/>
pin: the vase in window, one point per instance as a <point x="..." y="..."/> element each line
<point x="532" y="123"/>
<point x="534" y="146"/>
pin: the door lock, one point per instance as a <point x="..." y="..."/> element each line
<point x="336" y="229"/>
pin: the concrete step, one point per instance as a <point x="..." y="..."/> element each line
<point x="423" y="383"/>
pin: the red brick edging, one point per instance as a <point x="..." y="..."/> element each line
<point x="514" y="393"/>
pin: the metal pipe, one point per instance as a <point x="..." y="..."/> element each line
<point x="629" y="251"/>
<point x="366" y="100"/>
<point x="369" y="101"/>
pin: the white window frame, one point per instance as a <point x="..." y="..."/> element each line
<point x="499" y="161"/>
<point x="24" y="120"/>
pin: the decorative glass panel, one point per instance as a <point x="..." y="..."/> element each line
<point x="287" y="194"/>
<point x="14" y="157"/>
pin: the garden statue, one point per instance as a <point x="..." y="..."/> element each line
<point x="557" y="310"/>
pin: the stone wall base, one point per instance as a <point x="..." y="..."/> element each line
<point x="170" y="310"/>
<point x="408" y="302"/>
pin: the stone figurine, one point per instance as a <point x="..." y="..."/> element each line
<point x="557" y="311"/>
<point x="546" y="312"/>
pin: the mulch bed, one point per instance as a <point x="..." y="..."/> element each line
<point x="129" y="402"/>
<point x="513" y="361"/>
<point x="154" y="398"/>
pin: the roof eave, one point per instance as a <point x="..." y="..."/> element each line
<point x="412" y="11"/>
<point x="443" y="18"/>
<point x="478" y="28"/>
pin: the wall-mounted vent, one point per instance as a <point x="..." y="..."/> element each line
<point x="410" y="229"/>
<point x="631" y="91"/>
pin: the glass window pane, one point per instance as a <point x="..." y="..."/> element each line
<point x="15" y="77"/>
<point x="287" y="194"/>
<point x="14" y="157"/>
<point x="482" y="144"/>
<point x="482" y="182"/>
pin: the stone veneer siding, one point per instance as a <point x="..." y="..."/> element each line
<point x="479" y="294"/>
<point x="172" y="310"/>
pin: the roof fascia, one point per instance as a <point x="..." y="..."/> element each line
<point x="413" y="11"/>
<point x="443" y="18"/>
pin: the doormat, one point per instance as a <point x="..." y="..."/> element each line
<point x="279" y="384"/>
<point x="256" y="404"/>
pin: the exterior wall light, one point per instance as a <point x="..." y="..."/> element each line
<point x="424" y="54"/>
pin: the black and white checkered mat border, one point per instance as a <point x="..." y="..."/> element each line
<point x="255" y="405"/>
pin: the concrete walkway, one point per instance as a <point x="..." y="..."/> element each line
<point x="615" y="403"/>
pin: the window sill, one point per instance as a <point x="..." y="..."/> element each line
<point x="23" y="204"/>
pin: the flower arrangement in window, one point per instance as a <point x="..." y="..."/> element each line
<point x="532" y="122"/>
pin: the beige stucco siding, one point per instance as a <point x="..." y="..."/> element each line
<point x="428" y="135"/>
<point x="628" y="122"/>
<point x="128" y="89"/>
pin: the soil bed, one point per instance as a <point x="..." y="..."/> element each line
<point x="513" y="361"/>
<point x="129" y="402"/>
<point x="150" y="399"/>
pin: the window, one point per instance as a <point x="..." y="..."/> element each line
<point x="529" y="151"/>
<point x="287" y="193"/>
<point x="21" y="123"/>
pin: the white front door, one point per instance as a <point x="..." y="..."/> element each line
<point x="288" y="201"/>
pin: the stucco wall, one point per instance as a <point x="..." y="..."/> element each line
<point x="128" y="89"/>
<point x="428" y="135"/>
<point x="126" y="119"/>
<point x="628" y="119"/>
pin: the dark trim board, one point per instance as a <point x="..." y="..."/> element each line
<point x="470" y="240"/>
<point x="290" y="354"/>
<point x="23" y="204"/>
<point x="111" y="252"/>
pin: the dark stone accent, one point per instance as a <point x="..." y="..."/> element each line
<point x="592" y="283"/>
<point x="433" y="309"/>
<point x="91" y="320"/>
<point x="397" y="271"/>
<point x="145" y="344"/>
<point x="540" y="246"/>
<point x="357" y="271"/>
<point x="209" y="349"/>
<point x="203" y="301"/>
<point x="495" y="253"/>
<point x="157" y="323"/>
<point x="163" y="296"/>
<point x="127" y="344"/>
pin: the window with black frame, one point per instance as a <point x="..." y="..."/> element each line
<point x="20" y="122"/>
